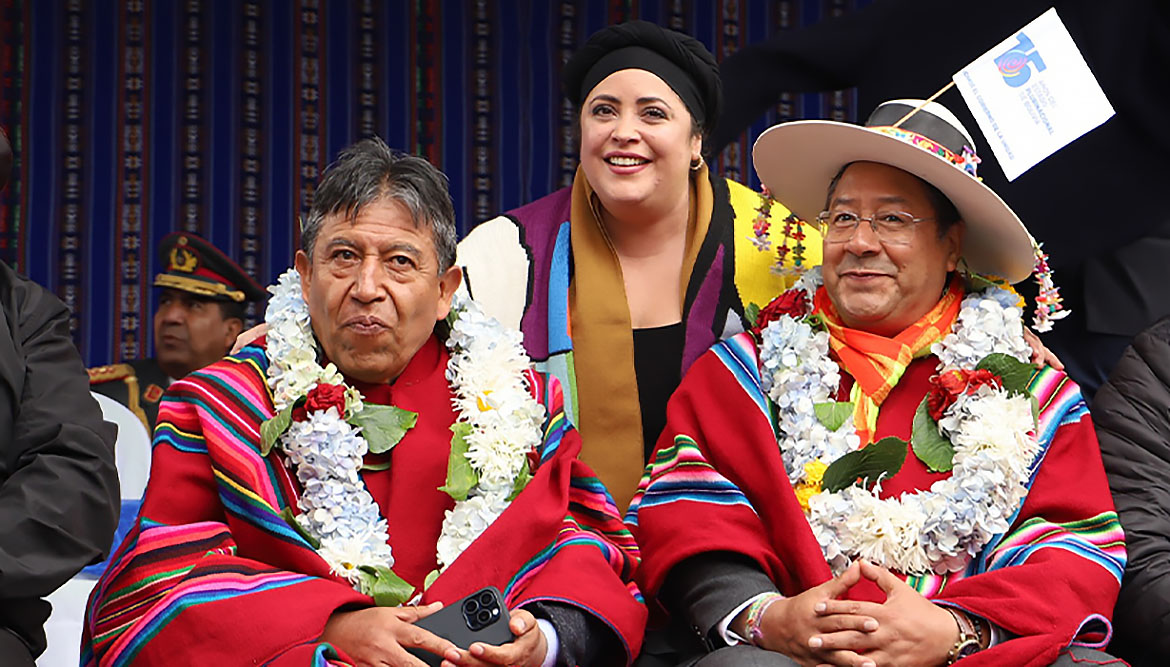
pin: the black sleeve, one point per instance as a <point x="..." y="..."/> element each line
<point x="59" y="496"/>
<point x="584" y="639"/>
<point x="704" y="589"/>
<point x="1133" y="426"/>
<point x="756" y="75"/>
<point x="887" y="48"/>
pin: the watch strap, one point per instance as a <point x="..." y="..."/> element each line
<point x="970" y="637"/>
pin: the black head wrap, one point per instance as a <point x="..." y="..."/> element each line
<point x="679" y="60"/>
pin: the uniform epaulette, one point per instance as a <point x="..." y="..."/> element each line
<point x="109" y="373"/>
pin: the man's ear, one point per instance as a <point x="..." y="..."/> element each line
<point x="231" y="331"/>
<point x="954" y="238"/>
<point x="305" y="268"/>
<point x="448" y="283"/>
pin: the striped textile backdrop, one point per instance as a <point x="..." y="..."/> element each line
<point x="134" y="118"/>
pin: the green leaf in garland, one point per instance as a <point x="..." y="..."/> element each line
<point x="383" y="426"/>
<point x="817" y="322"/>
<point x="1015" y="374"/>
<point x="431" y="576"/>
<point x="978" y="283"/>
<point x="929" y="445"/>
<point x="521" y="481"/>
<point x="833" y="414"/>
<point x="461" y="477"/>
<point x="387" y="589"/>
<point x="453" y="315"/>
<point x="1035" y="412"/>
<point x="375" y="467"/>
<point x="883" y="458"/>
<point x="272" y="429"/>
<point x="291" y="520"/>
<point x="751" y="313"/>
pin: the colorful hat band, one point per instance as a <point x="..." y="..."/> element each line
<point x="968" y="161"/>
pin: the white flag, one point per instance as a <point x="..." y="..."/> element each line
<point x="1033" y="94"/>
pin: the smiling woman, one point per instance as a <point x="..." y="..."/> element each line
<point x="638" y="143"/>
<point x="621" y="281"/>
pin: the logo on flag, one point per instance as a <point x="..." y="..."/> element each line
<point x="1013" y="64"/>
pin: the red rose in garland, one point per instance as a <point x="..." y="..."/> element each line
<point x="793" y="303"/>
<point x="325" y="396"/>
<point x="946" y="388"/>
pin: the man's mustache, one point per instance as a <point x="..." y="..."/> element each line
<point x="174" y="330"/>
<point x="847" y="265"/>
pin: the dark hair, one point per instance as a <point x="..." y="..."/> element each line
<point x="369" y="171"/>
<point x="945" y="213"/>
<point x="233" y="310"/>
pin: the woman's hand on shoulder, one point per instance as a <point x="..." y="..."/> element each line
<point x="1041" y="355"/>
<point x="246" y="338"/>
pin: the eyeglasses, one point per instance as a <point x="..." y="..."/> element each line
<point x="891" y="227"/>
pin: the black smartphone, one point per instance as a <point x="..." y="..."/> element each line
<point x="479" y="617"/>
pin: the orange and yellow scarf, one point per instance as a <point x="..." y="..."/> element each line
<point x="876" y="362"/>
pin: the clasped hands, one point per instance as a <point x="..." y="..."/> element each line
<point x="817" y="628"/>
<point x="379" y="637"/>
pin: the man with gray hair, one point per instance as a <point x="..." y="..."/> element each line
<point x="383" y="450"/>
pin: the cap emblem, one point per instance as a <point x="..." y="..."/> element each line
<point x="183" y="259"/>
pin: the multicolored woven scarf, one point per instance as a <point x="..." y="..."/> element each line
<point x="876" y="362"/>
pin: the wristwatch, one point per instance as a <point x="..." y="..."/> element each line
<point x="970" y="638"/>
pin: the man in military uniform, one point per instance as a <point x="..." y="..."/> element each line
<point x="200" y="313"/>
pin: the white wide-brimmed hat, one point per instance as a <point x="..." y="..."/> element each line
<point x="796" y="161"/>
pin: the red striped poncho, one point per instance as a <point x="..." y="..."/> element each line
<point x="211" y="573"/>
<point x="717" y="483"/>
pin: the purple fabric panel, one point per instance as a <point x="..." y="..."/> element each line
<point x="702" y="316"/>
<point x="540" y="221"/>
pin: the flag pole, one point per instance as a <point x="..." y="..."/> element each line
<point x="927" y="101"/>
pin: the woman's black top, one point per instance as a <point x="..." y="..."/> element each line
<point x="657" y="364"/>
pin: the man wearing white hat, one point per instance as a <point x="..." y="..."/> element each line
<point x="892" y="482"/>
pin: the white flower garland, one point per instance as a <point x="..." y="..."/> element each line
<point x="486" y="372"/>
<point x="939" y="529"/>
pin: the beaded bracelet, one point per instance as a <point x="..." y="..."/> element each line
<point x="755" y="617"/>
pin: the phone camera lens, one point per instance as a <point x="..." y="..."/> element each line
<point x="486" y="599"/>
<point x="470" y="607"/>
<point x="484" y="616"/>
